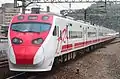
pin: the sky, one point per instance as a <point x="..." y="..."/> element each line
<point x="54" y="7"/>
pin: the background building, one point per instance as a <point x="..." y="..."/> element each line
<point x="1" y="15"/>
<point x="7" y="11"/>
<point x="107" y="15"/>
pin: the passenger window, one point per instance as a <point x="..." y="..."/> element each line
<point x="60" y="34"/>
<point x="58" y="31"/>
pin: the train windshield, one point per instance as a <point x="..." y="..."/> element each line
<point x="30" y="27"/>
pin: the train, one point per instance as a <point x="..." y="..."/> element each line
<point x="36" y="41"/>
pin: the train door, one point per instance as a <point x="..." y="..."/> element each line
<point x="62" y="44"/>
<point x="96" y="35"/>
<point x="85" y="35"/>
<point x="64" y="39"/>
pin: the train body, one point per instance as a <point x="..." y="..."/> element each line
<point x="35" y="40"/>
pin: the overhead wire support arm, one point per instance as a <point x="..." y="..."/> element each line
<point x="23" y="6"/>
<point x="70" y="1"/>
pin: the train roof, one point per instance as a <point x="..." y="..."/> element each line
<point x="66" y="17"/>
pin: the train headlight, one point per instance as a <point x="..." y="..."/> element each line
<point x="16" y="41"/>
<point x="37" y="41"/>
<point x="45" y="17"/>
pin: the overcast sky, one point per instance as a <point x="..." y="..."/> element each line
<point x="55" y="7"/>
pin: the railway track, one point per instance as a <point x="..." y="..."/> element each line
<point x="3" y="59"/>
<point x="42" y="75"/>
<point x="3" y="62"/>
<point x="16" y="75"/>
<point x="38" y="75"/>
<point x="28" y="75"/>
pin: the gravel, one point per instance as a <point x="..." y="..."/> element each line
<point x="103" y="63"/>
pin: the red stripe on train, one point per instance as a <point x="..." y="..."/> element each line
<point x="81" y="44"/>
<point x="66" y="47"/>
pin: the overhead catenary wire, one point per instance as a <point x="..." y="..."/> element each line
<point x="56" y="6"/>
<point x="62" y="5"/>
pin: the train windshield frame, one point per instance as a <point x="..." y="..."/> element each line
<point x="30" y="27"/>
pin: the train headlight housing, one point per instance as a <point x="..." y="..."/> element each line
<point x="37" y="41"/>
<point x="17" y="41"/>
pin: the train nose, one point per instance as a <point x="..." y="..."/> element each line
<point x="28" y="55"/>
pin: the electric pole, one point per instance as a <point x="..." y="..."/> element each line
<point x="23" y="6"/>
<point x="69" y="6"/>
<point x="85" y="14"/>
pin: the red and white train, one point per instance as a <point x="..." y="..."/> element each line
<point x="35" y="40"/>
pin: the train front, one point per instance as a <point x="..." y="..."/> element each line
<point x="30" y="40"/>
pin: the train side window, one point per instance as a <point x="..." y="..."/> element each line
<point x="57" y="30"/>
<point x="60" y="34"/>
<point x="54" y="32"/>
<point x="75" y="34"/>
<point x="69" y="34"/>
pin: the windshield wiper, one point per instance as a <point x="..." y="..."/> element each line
<point x="31" y="31"/>
<point x="16" y="30"/>
<point x="25" y="31"/>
